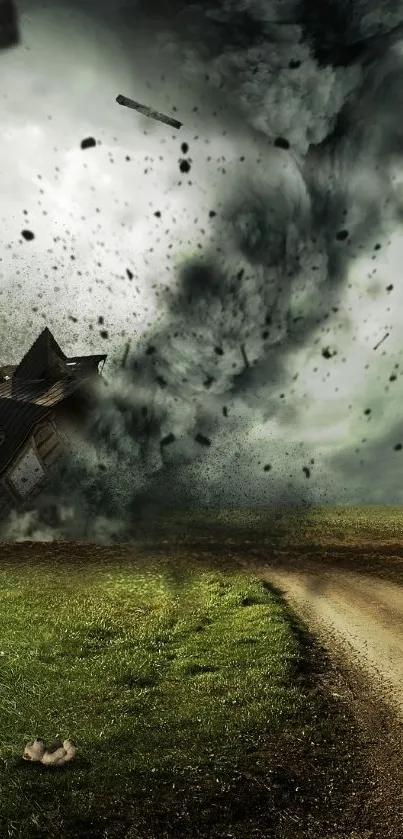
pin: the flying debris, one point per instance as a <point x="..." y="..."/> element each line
<point x="244" y="356"/>
<point x="148" y="112"/>
<point x="166" y="441"/>
<point x="381" y="341"/>
<point x="125" y="355"/>
<point x="88" y="143"/>
<point x="202" y="440"/>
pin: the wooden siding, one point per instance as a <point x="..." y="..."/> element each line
<point x="48" y="445"/>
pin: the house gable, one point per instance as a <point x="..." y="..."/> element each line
<point x="43" y="363"/>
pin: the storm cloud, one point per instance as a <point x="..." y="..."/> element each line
<point x="306" y="99"/>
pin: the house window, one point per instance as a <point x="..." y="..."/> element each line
<point x="27" y="473"/>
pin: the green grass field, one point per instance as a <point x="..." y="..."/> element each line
<point x="280" y="527"/>
<point x="184" y="683"/>
<point x="159" y="687"/>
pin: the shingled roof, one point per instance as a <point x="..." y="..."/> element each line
<point x="17" y="420"/>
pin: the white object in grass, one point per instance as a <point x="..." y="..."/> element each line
<point x="57" y="754"/>
<point x="34" y="750"/>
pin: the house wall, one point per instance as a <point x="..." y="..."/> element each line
<point x="6" y="499"/>
<point x="29" y="471"/>
<point x="49" y="442"/>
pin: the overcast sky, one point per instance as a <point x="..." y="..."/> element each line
<point x="252" y="280"/>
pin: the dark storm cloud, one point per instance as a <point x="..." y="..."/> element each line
<point x="284" y="238"/>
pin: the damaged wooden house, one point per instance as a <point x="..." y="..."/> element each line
<point x="40" y="399"/>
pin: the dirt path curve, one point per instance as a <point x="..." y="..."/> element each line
<point x="358" y="618"/>
<point x="361" y="614"/>
<point x="355" y="610"/>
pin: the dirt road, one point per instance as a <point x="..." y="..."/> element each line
<point x="361" y="615"/>
<point x="356" y="613"/>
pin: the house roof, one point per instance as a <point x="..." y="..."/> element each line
<point x="44" y="360"/>
<point x="29" y="390"/>
<point x="45" y="375"/>
<point x="17" y="420"/>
